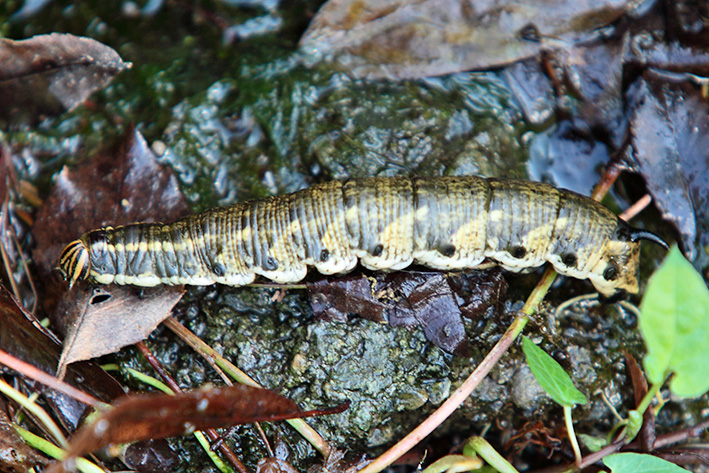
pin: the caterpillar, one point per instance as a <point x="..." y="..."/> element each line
<point x="445" y="223"/>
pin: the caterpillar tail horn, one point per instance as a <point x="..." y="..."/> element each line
<point x="637" y="234"/>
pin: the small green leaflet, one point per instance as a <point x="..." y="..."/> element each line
<point x="635" y="462"/>
<point x="551" y="375"/>
<point x="674" y="322"/>
<point x="593" y="443"/>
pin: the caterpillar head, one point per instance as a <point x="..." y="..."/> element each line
<point x="618" y="269"/>
<point x="74" y="262"/>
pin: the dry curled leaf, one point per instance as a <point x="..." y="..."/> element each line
<point x="47" y="74"/>
<point x="421" y="38"/>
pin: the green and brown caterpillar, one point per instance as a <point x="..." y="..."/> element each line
<point x="384" y="223"/>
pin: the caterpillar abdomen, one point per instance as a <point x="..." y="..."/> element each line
<point x="384" y="223"/>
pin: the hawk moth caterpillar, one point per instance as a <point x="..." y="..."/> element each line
<point x="447" y="223"/>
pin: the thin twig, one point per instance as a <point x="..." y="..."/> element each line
<point x="679" y="436"/>
<point x="3" y="252"/>
<point x="572" y="436"/>
<point x="29" y="405"/>
<point x="636" y="208"/>
<point x="607" y="180"/>
<point x="47" y="379"/>
<point x="452" y="403"/>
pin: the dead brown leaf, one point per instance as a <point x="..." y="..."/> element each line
<point x="160" y="415"/>
<point x="22" y="336"/>
<point x="121" y="185"/>
<point x="647" y="434"/>
<point x="434" y="301"/>
<point x="106" y="319"/>
<point x="47" y="74"/>
<point x="421" y="38"/>
<point x="669" y="142"/>
<point x="15" y="455"/>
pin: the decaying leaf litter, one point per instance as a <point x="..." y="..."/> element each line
<point x="325" y="126"/>
<point x="47" y="74"/>
<point x="127" y="175"/>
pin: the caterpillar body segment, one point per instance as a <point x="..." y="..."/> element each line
<point x="384" y="223"/>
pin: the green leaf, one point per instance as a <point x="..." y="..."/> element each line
<point x="634" y="462"/>
<point x="551" y="375"/>
<point x="593" y="443"/>
<point x="674" y="321"/>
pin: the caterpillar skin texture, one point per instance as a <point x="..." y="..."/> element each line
<point x="446" y="223"/>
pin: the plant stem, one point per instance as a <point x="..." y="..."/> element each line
<point x="49" y="449"/>
<point x="218" y="462"/>
<point x="47" y="379"/>
<point x="452" y="403"/>
<point x="572" y="435"/>
<point x="454" y="463"/>
<point x="491" y="456"/>
<point x="36" y="410"/>
<point x="649" y="396"/>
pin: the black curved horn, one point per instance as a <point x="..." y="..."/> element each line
<point x="637" y="234"/>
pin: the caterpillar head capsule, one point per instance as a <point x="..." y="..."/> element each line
<point x="89" y="257"/>
<point x="74" y="262"/>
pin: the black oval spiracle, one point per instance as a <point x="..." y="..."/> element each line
<point x="270" y="264"/>
<point x="218" y="270"/>
<point x="570" y="260"/>
<point x="447" y="250"/>
<point x="518" y="251"/>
